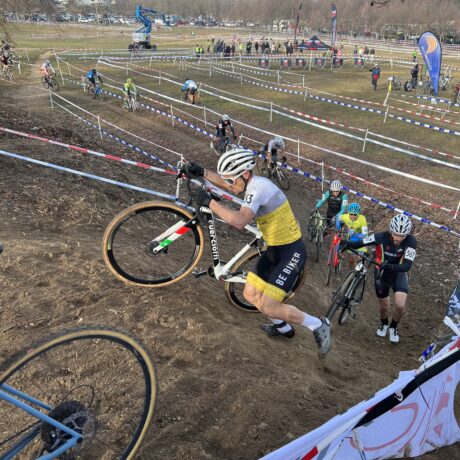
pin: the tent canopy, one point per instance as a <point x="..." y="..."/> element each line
<point x="314" y="43"/>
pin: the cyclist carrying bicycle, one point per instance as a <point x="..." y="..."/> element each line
<point x="395" y="251"/>
<point x="129" y="89"/>
<point x="47" y="70"/>
<point x="221" y="129"/>
<point x="337" y="201"/>
<point x="91" y="76"/>
<point x="5" y="59"/>
<point x="189" y="87"/>
<point x="278" y="267"/>
<point x="270" y="149"/>
<point x="356" y="225"/>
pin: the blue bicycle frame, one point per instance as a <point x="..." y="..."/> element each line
<point x="13" y="396"/>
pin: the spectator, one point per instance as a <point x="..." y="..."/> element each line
<point x="355" y="54"/>
<point x="256" y="46"/>
<point x="248" y="47"/>
<point x="375" y="75"/>
<point x="372" y="54"/>
<point x="414" y="55"/>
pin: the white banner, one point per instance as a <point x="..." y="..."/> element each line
<point x="417" y="416"/>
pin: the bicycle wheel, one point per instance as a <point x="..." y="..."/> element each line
<point x="98" y="381"/>
<point x="263" y="167"/>
<point x="45" y="82"/>
<point x="397" y="85"/>
<point x="54" y="85"/>
<point x="9" y="74"/>
<point x="234" y="291"/>
<point x="331" y="267"/>
<point x="318" y="243"/>
<point x="153" y="244"/>
<point x="408" y="86"/>
<point x="126" y="106"/>
<point x="282" y="178"/>
<point x="339" y="299"/>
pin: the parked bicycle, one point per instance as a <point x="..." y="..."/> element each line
<point x="445" y="82"/>
<point x="155" y="244"/>
<point x="351" y="292"/>
<point x="315" y="230"/>
<point x="221" y="146"/>
<point x="334" y="257"/>
<point x="394" y="83"/>
<point x="87" y="392"/>
<point x="50" y="83"/>
<point x="130" y="105"/>
<point x="270" y="169"/>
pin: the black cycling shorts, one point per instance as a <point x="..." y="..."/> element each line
<point x="398" y="282"/>
<point x="278" y="268"/>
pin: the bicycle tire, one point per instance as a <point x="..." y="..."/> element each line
<point x="338" y="300"/>
<point x="263" y="167"/>
<point x="408" y="86"/>
<point x="9" y="74"/>
<point x="282" y="178"/>
<point x="54" y="85"/>
<point x="131" y="373"/>
<point x="45" y="82"/>
<point x="125" y="106"/>
<point x="234" y="291"/>
<point x="130" y="233"/>
<point x="318" y="244"/>
<point x="397" y="85"/>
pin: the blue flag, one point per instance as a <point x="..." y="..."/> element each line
<point x="432" y="54"/>
<point x="334" y="23"/>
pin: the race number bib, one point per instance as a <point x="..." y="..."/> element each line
<point x="410" y="254"/>
<point x="369" y="239"/>
<point x="248" y="198"/>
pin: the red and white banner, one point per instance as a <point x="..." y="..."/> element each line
<point x="414" y="415"/>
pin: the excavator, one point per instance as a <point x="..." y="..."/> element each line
<point x="141" y="38"/>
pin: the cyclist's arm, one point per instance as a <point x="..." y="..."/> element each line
<point x="344" y="205"/>
<point x="238" y="219"/>
<point x="338" y="222"/>
<point x="215" y="179"/>
<point x="364" y="230"/>
<point x="322" y="201"/>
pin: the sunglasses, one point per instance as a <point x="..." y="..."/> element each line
<point x="232" y="180"/>
<point x="352" y="215"/>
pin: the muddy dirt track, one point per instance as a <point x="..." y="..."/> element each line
<point x="225" y="389"/>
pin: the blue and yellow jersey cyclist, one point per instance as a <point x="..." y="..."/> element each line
<point x="356" y="227"/>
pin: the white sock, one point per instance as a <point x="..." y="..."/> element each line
<point x="283" y="329"/>
<point x="311" y="322"/>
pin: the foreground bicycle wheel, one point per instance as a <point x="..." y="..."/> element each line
<point x="98" y="381"/>
<point x="132" y="235"/>
<point x="234" y="291"/>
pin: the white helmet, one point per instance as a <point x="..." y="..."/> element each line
<point x="47" y="62"/>
<point x="400" y="224"/>
<point x="225" y="117"/>
<point x="279" y="141"/>
<point x="235" y="162"/>
<point x="335" y="186"/>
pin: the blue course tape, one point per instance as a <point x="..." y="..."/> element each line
<point x="342" y="104"/>
<point x="303" y="173"/>
<point x="87" y="175"/>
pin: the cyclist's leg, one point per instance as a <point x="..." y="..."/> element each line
<point x="401" y="289"/>
<point x="382" y="291"/>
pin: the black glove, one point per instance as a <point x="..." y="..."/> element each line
<point x="203" y="198"/>
<point x="386" y="267"/>
<point x="192" y="170"/>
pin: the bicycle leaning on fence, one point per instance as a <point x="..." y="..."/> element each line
<point x="270" y="169"/>
<point x="350" y="293"/>
<point x="315" y="230"/>
<point x="156" y="244"/>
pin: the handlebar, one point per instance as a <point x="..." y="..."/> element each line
<point x="363" y="256"/>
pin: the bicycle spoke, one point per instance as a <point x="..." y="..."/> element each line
<point x="96" y="385"/>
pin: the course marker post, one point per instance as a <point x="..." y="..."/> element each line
<point x="322" y="176"/>
<point x="298" y="151"/>
<point x="51" y="98"/>
<point x="386" y="113"/>
<point x="456" y="212"/>
<point x="365" y="140"/>
<point x="99" y="124"/>
<point x="172" y="114"/>
<point x="27" y="55"/>
<point x="271" y="111"/>
<point x="62" y="78"/>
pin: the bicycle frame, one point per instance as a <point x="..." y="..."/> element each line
<point x="334" y="254"/>
<point x="219" y="270"/>
<point x="13" y="396"/>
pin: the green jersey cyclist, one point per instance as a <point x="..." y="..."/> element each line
<point x="277" y="268"/>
